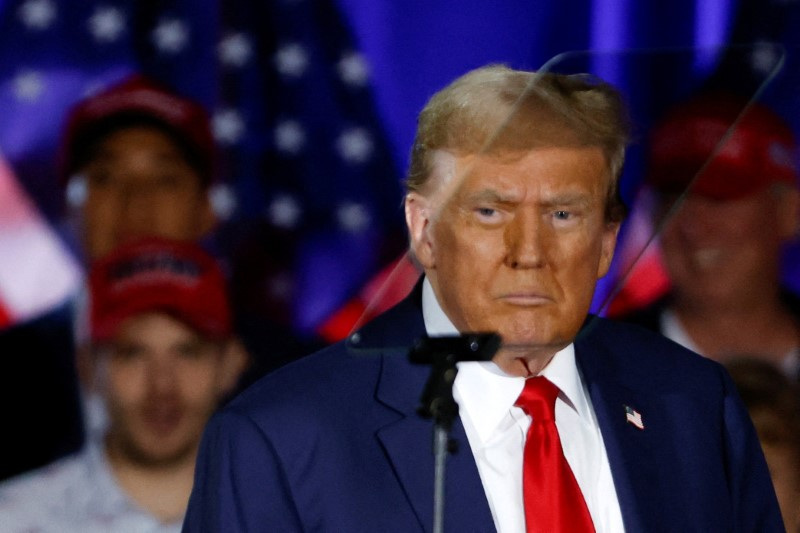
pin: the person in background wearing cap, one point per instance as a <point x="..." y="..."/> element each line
<point x="139" y="161"/>
<point x="162" y="356"/>
<point x="727" y="206"/>
<point x="136" y="160"/>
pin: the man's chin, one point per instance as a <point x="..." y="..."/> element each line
<point x="159" y="453"/>
<point x="525" y="338"/>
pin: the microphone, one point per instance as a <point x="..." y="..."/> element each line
<point x="451" y="349"/>
<point x="442" y="354"/>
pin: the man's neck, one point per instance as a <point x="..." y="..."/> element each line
<point x="161" y="490"/>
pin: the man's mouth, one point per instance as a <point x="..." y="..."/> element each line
<point x="526" y="298"/>
<point x="162" y="420"/>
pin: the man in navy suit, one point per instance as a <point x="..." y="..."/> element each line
<point x="513" y="212"/>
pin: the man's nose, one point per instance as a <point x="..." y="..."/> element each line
<point x="162" y="377"/>
<point x="694" y="218"/>
<point x="136" y="202"/>
<point x="525" y="241"/>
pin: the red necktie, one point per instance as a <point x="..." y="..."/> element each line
<point x="553" y="500"/>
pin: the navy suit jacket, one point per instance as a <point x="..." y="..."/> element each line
<point x="333" y="442"/>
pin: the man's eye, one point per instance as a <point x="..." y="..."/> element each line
<point x="562" y="215"/>
<point x="486" y="211"/>
<point x="191" y="350"/>
<point x="127" y="353"/>
<point x="168" y="181"/>
<point x="99" y="178"/>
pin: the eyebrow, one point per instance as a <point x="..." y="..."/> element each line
<point x="490" y="196"/>
<point x="563" y="198"/>
<point x="164" y="153"/>
<point x="572" y="199"/>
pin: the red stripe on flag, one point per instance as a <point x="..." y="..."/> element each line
<point x="384" y="290"/>
<point x="5" y="317"/>
<point x="647" y="283"/>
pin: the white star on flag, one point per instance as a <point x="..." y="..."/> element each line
<point x="353" y="69"/>
<point x="284" y="212"/>
<point x="355" y="145"/>
<point x="171" y="36"/>
<point x="223" y="201"/>
<point x="291" y="60"/>
<point x="634" y="417"/>
<point x="352" y="217"/>
<point x="290" y="136"/>
<point x="106" y="24"/>
<point x="228" y="126"/>
<point x="28" y="86"/>
<point x="235" y="50"/>
<point x="38" y="14"/>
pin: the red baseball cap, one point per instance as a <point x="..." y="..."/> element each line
<point x="155" y="274"/>
<point x="138" y="97"/>
<point x="722" y="147"/>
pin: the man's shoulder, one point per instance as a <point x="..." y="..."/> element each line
<point x="345" y="370"/>
<point x="642" y="355"/>
<point x="74" y="494"/>
<point x="49" y="478"/>
<point x="35" y="500"/>
<point x="308" y="376"/>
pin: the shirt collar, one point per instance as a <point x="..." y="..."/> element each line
<point x="437" y="323"/>
<point x="487" y="393"/>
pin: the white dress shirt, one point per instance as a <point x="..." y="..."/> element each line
<point x="496" y="431"/>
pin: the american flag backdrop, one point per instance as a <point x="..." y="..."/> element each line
<point x="309" y="195"/>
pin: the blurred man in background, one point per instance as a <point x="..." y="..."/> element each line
<point x="139" y="161"/>
<point x="136" y="160"/>
<point x="727" y="204"/>
<point x="162" y="356"/>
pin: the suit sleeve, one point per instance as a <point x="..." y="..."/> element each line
<point x="754" y="502"/>
<point x="240" y="483"/>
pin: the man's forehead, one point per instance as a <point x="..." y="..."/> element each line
<point x="156" y="323"/>
<point x="452" y="170"/>
<point x="113" y="151"/>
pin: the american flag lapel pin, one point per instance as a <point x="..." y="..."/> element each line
<point x="632" y="416"/>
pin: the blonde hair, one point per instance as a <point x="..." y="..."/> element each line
<point x="495" y="108"/>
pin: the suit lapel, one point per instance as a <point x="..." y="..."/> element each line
<point x="407" y="441"/>
<point x="632" y="452"/>
<point x="408" y="446"/>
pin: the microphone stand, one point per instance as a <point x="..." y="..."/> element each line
<point x="437" y="402"/>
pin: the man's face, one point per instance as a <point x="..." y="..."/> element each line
<point x="139" y="184"/>
<point x="161" y="382"/>
<point x="720" y="253"/>
<point x="515" y="244"/>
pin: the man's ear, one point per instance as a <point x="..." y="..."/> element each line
<point x="235" y="360"/>
<point x="418" y="220"/>
<point x="608" y="245"/>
